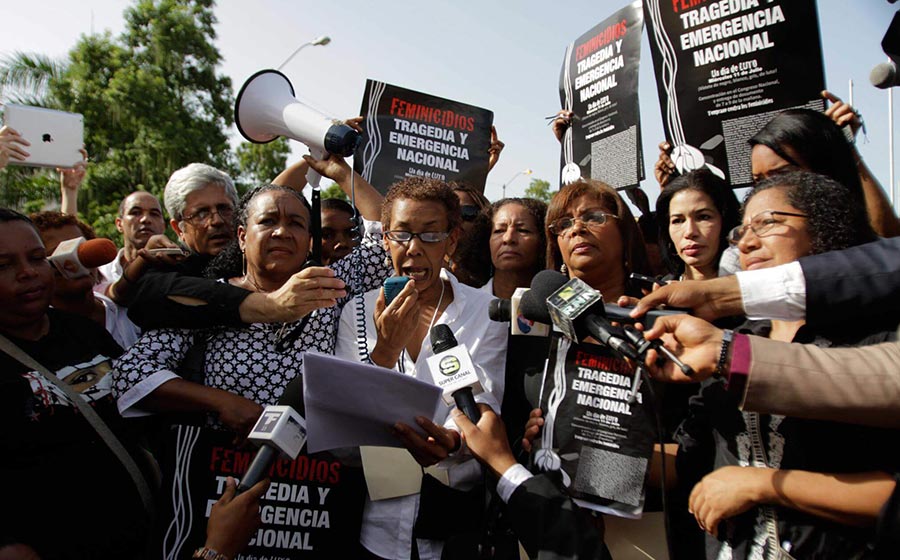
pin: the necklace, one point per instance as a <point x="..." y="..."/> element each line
<point x="436" y="309"/>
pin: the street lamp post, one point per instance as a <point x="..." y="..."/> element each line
<point x="523" y="172"/>
<point x="323" y="40"/>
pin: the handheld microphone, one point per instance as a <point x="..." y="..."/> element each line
<point x="453" y="371"/>
<point x="570" y="301"/>
<point x="74" y="257"/>
<point x="280" y="429"/>
<point x="509" y="310"/>
<point x="574" y="308"/>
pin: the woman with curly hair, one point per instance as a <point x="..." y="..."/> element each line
<point x="768" y="484"/>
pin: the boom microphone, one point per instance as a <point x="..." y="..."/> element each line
<point x="74" y="257"/>
<point x="885" y="75"/>
<point x="453" y="371"/>
<point x="280" y="429"/>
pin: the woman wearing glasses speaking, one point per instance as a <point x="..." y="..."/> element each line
<point x="783" y="484"/>
<point x="421" y="221"/>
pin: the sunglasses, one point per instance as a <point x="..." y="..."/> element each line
<point x="469" y="212"/>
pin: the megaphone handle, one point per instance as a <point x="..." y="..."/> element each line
<point x="315" y="228"/>
<point x="312" y="176"/>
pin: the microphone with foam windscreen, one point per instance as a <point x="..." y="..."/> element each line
<point x="74" y="257"/>
<point x="280" y="429"/>
<point x="577" y="310"/>
<point x="885" y="75"/>
<point x="453" y="371"/>
<point x="508" y="310"/>
<point x="574" y="308"/>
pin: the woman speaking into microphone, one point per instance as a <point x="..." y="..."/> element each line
<point x="421" y="219"/>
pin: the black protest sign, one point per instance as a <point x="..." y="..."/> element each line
<point x="599" y="83"/>
<point x="599" y="437"/>
<point x="725" y="68"/>
<point x="409" y="133"/>
<point x="312" y="508"/>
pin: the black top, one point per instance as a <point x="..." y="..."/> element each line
<point x="57" y="469"/>
<point x="152" y="308"/>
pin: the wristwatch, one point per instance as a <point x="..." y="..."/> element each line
<point x="727" y="337"/>
<point x="206" y="553"/>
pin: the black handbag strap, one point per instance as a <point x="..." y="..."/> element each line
<point x="108" y="437"/>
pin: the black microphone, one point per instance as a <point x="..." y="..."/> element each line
<point x="500" y="310"/>
<point x="280" y="429"/>
<point x="453" y="371"/>
<point x="629" y="342"/>
<point x="580" y="313"/>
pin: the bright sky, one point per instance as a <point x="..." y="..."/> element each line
<point x="503" y="56"/>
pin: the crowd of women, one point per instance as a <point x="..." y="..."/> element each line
<point x="812" y="194"/>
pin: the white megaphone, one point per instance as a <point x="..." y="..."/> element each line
<point x="266" y="109"/>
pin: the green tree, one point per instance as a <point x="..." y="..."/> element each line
<point x="260" y="163"/>
<point x="334" y="191"/>
<point x="152" y="100"/>
<point x="539" y="189"/>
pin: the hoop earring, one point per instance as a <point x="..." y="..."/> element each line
<point x="564" y="269"/>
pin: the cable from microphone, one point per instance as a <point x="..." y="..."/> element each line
<point x="280" y="429"/>
<point x="453" y="371"/>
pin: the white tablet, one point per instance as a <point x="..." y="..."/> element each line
<point x="56" y="136"/>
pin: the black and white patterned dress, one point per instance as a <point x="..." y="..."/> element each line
<point x="247" y="361"/>
<point x="313" y="507"/>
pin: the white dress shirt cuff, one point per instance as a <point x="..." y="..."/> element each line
<point x="128" y="402"/>
<point x="511" y="479"/>
<point x="774" y="293"/>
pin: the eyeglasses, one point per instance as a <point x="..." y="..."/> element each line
<point x="426" y="236"/>
<point x="469" y="212"/>
<point x="204" y="216"/>
<point x="590" y="220"/>
<point x="761" y="224"/>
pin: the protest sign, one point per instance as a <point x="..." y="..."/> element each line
<point x="312" y="509"/>
<point x="409" y="133"/>
<point x="599" y="82"/>
<point x="594" y="432"/>
<point x="725" y="68"/>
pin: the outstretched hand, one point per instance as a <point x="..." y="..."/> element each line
<point x="695" y="342"/>
<point x="436" y="445"/>
<point x="486" y="440"/>
<point x="312" y="288"/>
<point x="234" y="518"/>
<point x="708" y="299"/>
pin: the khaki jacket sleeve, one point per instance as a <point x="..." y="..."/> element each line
<point x="858" y="385"/>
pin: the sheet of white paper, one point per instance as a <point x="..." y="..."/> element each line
<point x="350" y="404"/>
